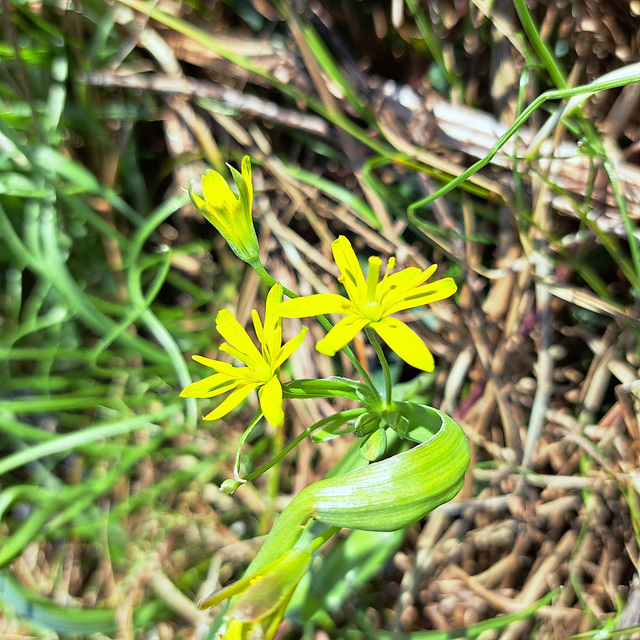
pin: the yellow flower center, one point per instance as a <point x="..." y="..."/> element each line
<point x="263" y="371"/>
<point x="372" y="311"/>
<point x="371" y="305"/>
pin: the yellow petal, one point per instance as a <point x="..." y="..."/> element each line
<point x="347" y="261"/>
<point x="257" y="325"/>
<point x="287" y="349"/>
<point x="270" y="396"/>
<point x="407" y="344"/>
<point x="418" y="297"/>
<point x="245" y="191"/>
<point x="198" y="202"/>
<point x="272" y="339"/>
<point x="231" y="401"/>
<point x="410" y="277"/>
<point x="209" y="387"/>
<point x="235" y="335"/>
<point x="315" y="305"/>
<point x="217" y="193"/>
<point x="341" y="334"/>
<point x="216" y="365"/>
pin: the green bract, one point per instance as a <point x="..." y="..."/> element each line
<point x="229" y="213"/>
<point x="386" y="495"/>
<point x="261" y="598"/>
<point x="382" y="496"/>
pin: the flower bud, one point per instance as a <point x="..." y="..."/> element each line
<point x="230" y="486"/>
<point x="374" y="447"/>
<point x="260" y="600"/>
<point x="229" y="213"/>
<point x="366" y="423"/>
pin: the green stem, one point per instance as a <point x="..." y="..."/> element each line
<point x="342" y="418"/>
<point x="538" y="44"/>
<point x="258" y="267"/>
<point x="553" y="94"/>
<point x="383" y="363"/>
<point x="316" y="543"/>
<point x="245" y="435"/>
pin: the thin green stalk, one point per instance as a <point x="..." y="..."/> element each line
<point x="341" y="418"/>
<point x="553" y="94"/>
<point x="243" y="437"/>
<point x="540" y="47"/>
<point x="383" y="363"/>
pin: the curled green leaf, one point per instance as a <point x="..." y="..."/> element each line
<point x="386" y="495"/>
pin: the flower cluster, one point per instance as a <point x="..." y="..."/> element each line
<point x="369" y="302"/>
<point x="398" y="491"/>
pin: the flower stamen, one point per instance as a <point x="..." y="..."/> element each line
<point x="373" y="276"/>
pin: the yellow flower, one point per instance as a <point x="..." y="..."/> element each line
<point x="261" y="598"/>
<point x="228" y="213"/>
<point x="262" y="367"/>
<point x="371" y="303"/>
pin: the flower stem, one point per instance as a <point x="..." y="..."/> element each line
<point x="316" y="543"/>
<point x="258" y="267"/>
<point x="342" y="417"/>
<point x="383" y="363"/>
<point x="245" y="435"/>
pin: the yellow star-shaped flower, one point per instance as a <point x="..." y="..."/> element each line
<point x="262" y="367"/>
<point x="371" y="302"/>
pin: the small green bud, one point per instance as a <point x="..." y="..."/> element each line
<point x="366" y="423"/>
<point x="402" y="426"/>
<point x="398" y="423"/>
<point x="374" y="447"/>
<point x="230" y="486"/>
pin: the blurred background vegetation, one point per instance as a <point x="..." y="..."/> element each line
<point x="111" y="520"/>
